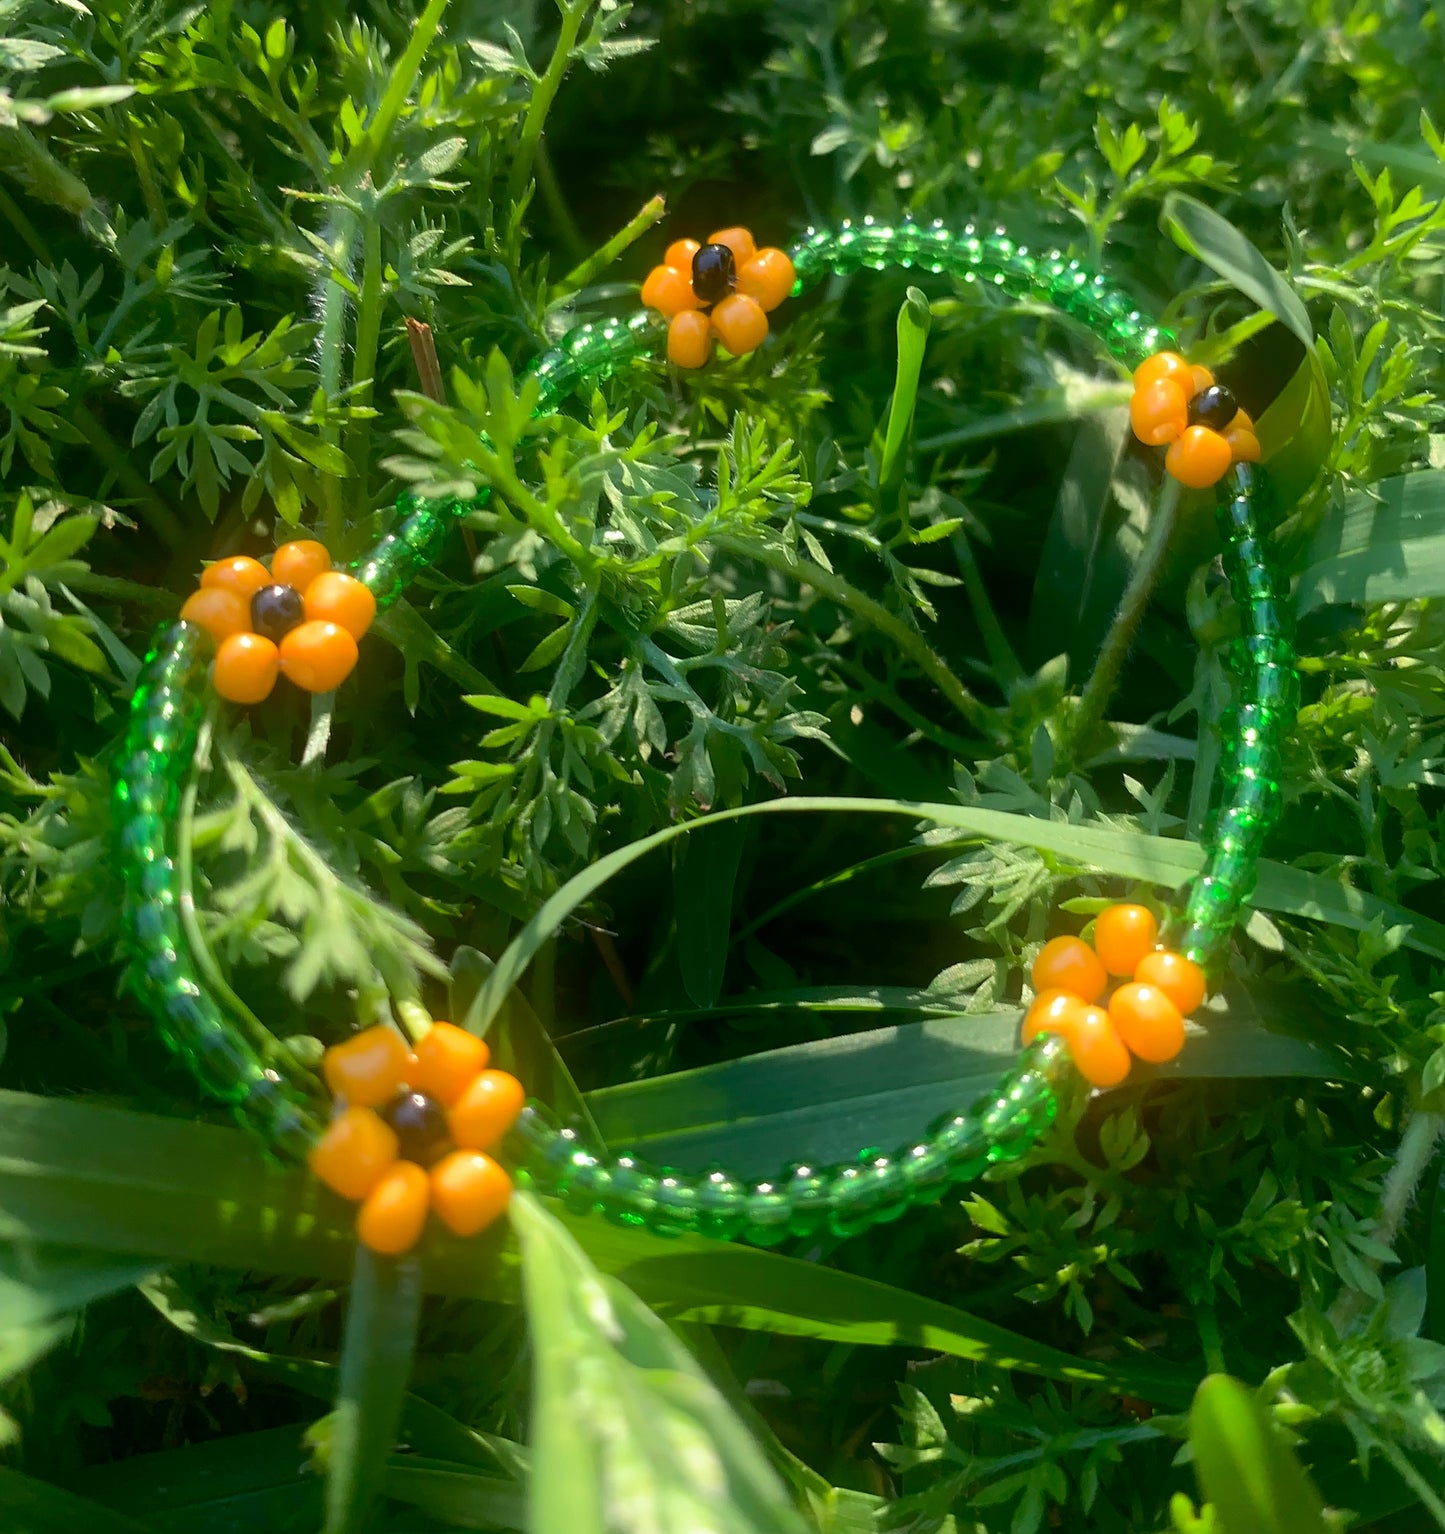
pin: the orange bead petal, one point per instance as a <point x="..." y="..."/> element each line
<point x="1159" y="412"/>
<point x="219" y="611"/>
<point x="1051" y="1012"/>
<point x="367" y="1070"/>
<point x="1201" y="379"/>
<point x="318" y="656"/>
<point x="738" y="240"/>
<point x="668" y="291"/>
<point x="1243" y="445"/>
<point x="447" y="1060"/>
<point x="241" y="574"/>
<point x="1123" y="934"/>
<point x="1180" y="978"/>
<point x="689" y="339"/>
<point x="1148" y="1022"/>
<point x="334" y="597"/>
<point x="680" y="253"/>
<point x="299" y="563"/>
<point x="354" y="1153"/>
<point x="1097" y="1049"/>
<point x="1069" y="964"/>
<point x="740" y="323"/>
<point x="1199" y="459"/>
<point x="486" y="1110"/>
<point x="468" y="1191"/>
<point x="1242" y="422"/>
<point x="246" y="668"/>
<point x="391" y="1219"/>
<point x="1163" y="365"/>
<point x="768" y="278"/>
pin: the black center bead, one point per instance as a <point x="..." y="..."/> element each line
<point x="713" y="273"/>
<point x="1214" y="407"/>
<point x="420" y="1123"/>
<point x="275" y="611"/>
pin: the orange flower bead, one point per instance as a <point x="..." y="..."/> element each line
<point x="1159" y="412"/>
<point x="1069" y="964"/>
<point x="668" y="291"/>
<point x="219" y="610"/>
<point x="318" y="656"/>
<point x="446" y="1060"/>
<point x="1148" y="1022"/>
<point x="740" y="324"/>
<point x="468" y="1191"/>
<point x="1243" y="445"/>
<point x="1180" y="978"/>
<point x="242" y="574"/>
<point x="680" y="253"/>
<point x="1051" y="1012"/>
<point x="246" y="668"/>
<point x="1097" y="1049"/>
<point x="1199" y="459"/>
<point x="355" y="1153"/>
<point x="689" y="339"/>
<point x="391" y="1219"/>
<point x="1200" y="379"/>
<point x="367" y="1070"/>
<point x="299" y="563"/>
<point x="1164" y="365"/>
<point x="768" y="278"/>
<point x="341" y="599"/>
<point x="1123" y="934"/>
<point x="486" y="1110"/>
<point x="738" y="240"/>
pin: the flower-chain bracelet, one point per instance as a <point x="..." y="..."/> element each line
<point x="426" y="1126"/>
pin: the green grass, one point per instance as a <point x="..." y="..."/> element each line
<point x="888" y="606"/>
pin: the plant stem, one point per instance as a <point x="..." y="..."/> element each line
<point x="542" y="96"/>
<point x="330" y="345"/>
<point x="1001" y="657"/>
<point x="645" y="217"/>
<point x="368" y="338"/>
<point x="151" y="509"/>
<point x="1115" y="649"/>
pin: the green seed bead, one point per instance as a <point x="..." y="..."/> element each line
<point x="675" y="1211"/>
<point x="808" y="1188"/>
<point x="632" y="1193"/>
<point x="1047" y="1056"/>
<point x="769" y="1214"/>
<point x="1014" y="1119"/>
<point x="927" y="1172"/>
<point x="960" y="1137"/>
<point x="586" y="1184"/>
<point x="721" y="1206"/>
<point x="867" y="1195"/>
<point x="1272" y="685"/>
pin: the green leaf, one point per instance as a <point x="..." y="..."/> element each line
<point x="376" y="1354"/>
<point x="1245" y="1467"/>
<point x="629" y="1435"/>
<point x="28" y="1506"/>
<point x="914" y="318"/>
<point x="1212" y="239"/>
<point x="1384" y="544"/>
<point x="704" y="875"/>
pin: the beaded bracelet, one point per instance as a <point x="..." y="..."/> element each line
<point x="414" y="1123"/>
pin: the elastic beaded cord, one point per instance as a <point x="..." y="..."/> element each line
<point x="802" y="1199"/>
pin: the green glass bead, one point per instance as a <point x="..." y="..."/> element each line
<point x="153" y="924"/>
<point x="553" y="1167"/>
<point x="586" y="1184"/>
<point x="721" y="1206"/>
<point x="1255" y="796"/>
<point x="675" y="1211"/>
<point x="1014" y="1119"/>
<point x="1246" y="761"/>
<point x="807" y="1188"/>
<point x="1249" y="582"/>
<point x="1047" y="1056"/>
<point x="1249" y="722"/>
<point x="1245" y="656"/>
<point x="927" y="1172"/>
<point x="768" y="1214"/>
<point x="960" y="1137"/>
<point x="1273" y="685"/>
<point x="632" y="1193"/>
<point x="1265" y="616"/>
<point x="528" y="1140"/>
<point x="867" y="1195"/>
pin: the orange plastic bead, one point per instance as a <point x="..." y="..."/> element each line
<point x="241" y="574"/>
<point x="680" y="253"/>
<point x="1069" y="964"/>
<point x="1051" y="1012"/>
<point x="354" y="1153"/>
<point x="1242" y="421"/>
<point x="689" y="339"/>
<point x="1199" y="459"/>
<point x="1123" y="934"/>
<point x="1243" y="445"/>
<point x="340" y="599"/>
<point x="668" y="291"/>
<point x="1163" y="365"/>
<point x="391" y="1219"/>
<point x="246" y="668"/>
<point x="1159" y="412"/>
<point x="318" y="656"/>
<point x="1181" y="979"/>
<point x="740" y="323"/>
<point x="738" y="240"/>
<point x="368" y="1069"/>
<point x="1202" y="379"/>
<point x="1097" y="1049"/>
<point x="468" y="1191"/>
<point x="298" y="564"/>
<point x="768" y="278"/>
<point x="446" y="1061"/>
<point x="219" y="611"/>
<point x="486" y="1110"/>
<point x="1148" y="1022"/>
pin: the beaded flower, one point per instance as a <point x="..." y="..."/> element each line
<point x="300" y="617"/>
<point x="412" y="1131"/>
<point x="1144" y="1016"/>
<point x="724" y="289"/>
<point x="1201" y="421"/>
